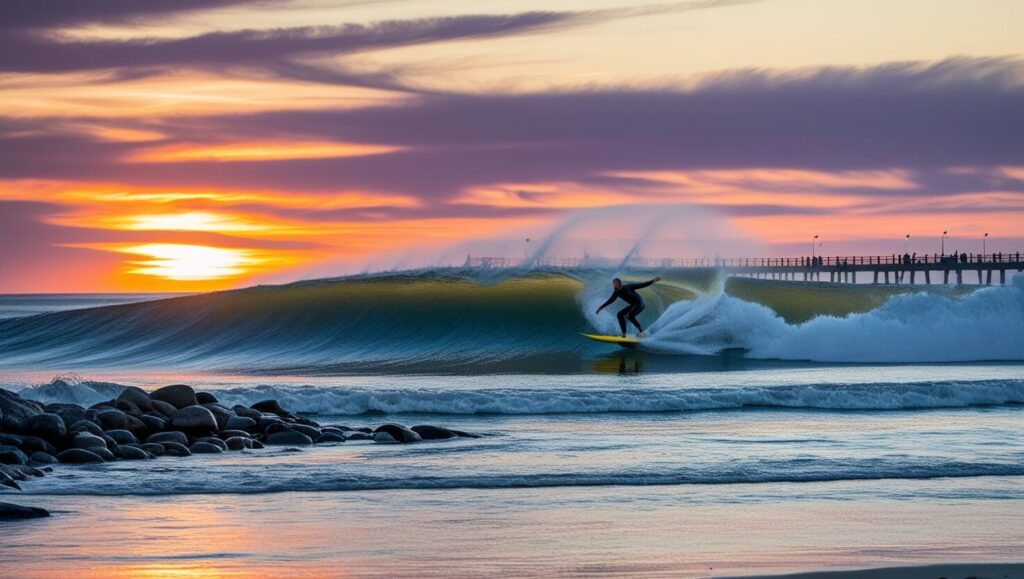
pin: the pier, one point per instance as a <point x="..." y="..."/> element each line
<point x="886" y="269"/>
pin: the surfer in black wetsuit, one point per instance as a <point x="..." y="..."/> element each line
<point x="628" y="294"/>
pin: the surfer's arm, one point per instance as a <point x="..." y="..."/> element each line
<point x="642" y="285"/>
<point x="615" y="295"/>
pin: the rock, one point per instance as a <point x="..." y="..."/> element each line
<point x="279" y="426"/>
<point x="13" y="471"/>
<point x="428" y="432"/>
<point x="70" y="413"/>
<point x="12" y="455"/>
<point x="384" y="438"/>
<point x="236" y="443"/>
<point x="398" y="432"/>
<point x="131" y="453"/>
<point x="122" y="436"/>
<point x="30" y="444"/>
<point x="166" y="409"/>
<point x="310" y="431"/>
<point x="335" y="428"/>
<point x="112" y="419"/>
<point x="153" y="448"/>
<point x="332" y="436"/>
<point x="138" y="397"/>
<point x="289" y="437"/>
<point x="175" y="449"/>
<point x="257" y="444"/>
<point x="28" y="470"/>
<point x="11" y="439"/>
<point x="169" y="436"/>
<point x="194" y="419"/>
<point x="11" y="511"/>
<point x="214" y="441"/>
<point x="79" y="456"/>
<point x="205" y="448"/>
<point x="365" y="429"/>
<point x="8" y="481"/>
<point x="40" y="457"/>
<point x="206" y="398"/>
<point x="239" y="423"/>
<point x="86" y="426"/>
<point x="126" y="406"/>
<point x="356" y="435"/>
<point x="267" y="420"/>
<point x="226" y="434"/>
<point x="15" y="411"/>
<point x="104" y="453"/>
<point x="153" y="423"/>
<point x="180" y="395"/>
<point x="272" y="407"/>
<point x="87" y="441"/>
<point x="246" y="412"/>
<point x="220" y="413"/>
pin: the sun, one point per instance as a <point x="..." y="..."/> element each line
<point x="183" y="262"/>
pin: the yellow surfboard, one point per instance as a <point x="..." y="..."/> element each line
<point x="624" y="342"/>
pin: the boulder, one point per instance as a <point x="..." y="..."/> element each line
<point x="79" y="456"/>
<point x="239" y="423"/>
<point x="194" y="419"/>
<point x="272" y="407"/>
<point x="126" y="406"/>
<point x="178" y="395"/>
<point x="398" y="432"/>
<point x="153" y="448"/>
<point x="28" y="470"/>
<point x="206" y="398"/>
<point x="246" y="412"/>
<point x="40" y="457"/>
<point x="357" y="435"/>
<point x="13" y="471"/>
<point x="175" y="449"/>
<point x="112" y="418"/>
<point x="30" y="444"/>
<point x="11" y="511"/>
<point x="229" y="433"/>
<point x="47" y="426"/>
<point x="169" y="436"/>
<point x="272" y="427"/>
<point x="87" y="441"/>
<point x="165" y="409"/>
<point x="12" y="455"/>
<point x="131" y="453"/>
<point x="15" y="411"/>
<point x="237" y="443"/>
<point x="214" y="441"/>
<point x="205" y="448"/>
<point x="138" y="397"/>
<point x="70" y="413"/>
<point x="153" y="423"/>
<point x="86" y="426"/>
<point x="310" y="431"/>
<point x="384" y="438"/>
<point x="122" y="436"/>
<point x="336" y="428"/>
<point x="221" y="413"/>
<point x="257" y="444"/>
<point x="104" y="453"/>
<point x="428" y="432"/>
<point x="332" y="436"/>
<point x="289" y="437"/>
<point x="8" y="481"/>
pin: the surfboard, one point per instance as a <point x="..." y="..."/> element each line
<point x="624" y="342"/>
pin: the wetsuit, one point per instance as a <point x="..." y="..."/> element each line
<point x="628" y="294"/>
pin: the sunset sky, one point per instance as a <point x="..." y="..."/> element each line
<point x="189" y="145"/>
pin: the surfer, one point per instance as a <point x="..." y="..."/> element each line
<point x="635" y="303"/>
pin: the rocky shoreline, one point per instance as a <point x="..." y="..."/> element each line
<point x="173" y="421"/>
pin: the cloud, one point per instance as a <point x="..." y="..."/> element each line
<point x="22" y="14"/>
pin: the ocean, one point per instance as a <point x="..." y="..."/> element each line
<point x="764" y="427"/>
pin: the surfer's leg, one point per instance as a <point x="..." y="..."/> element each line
<point x="622" y="319"/>
<point x="634" y="311"/>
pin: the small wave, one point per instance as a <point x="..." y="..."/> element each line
<point x="340" y="401"/>
<point x="215" y="480"/>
